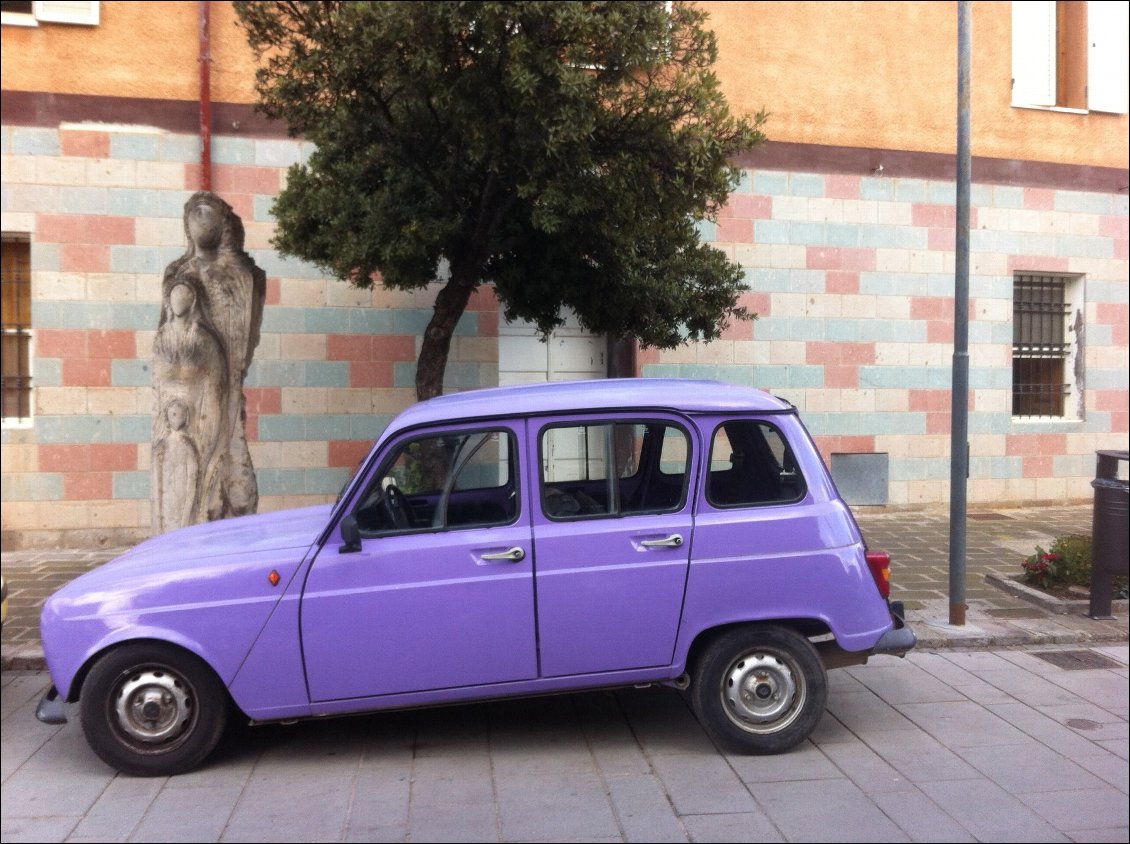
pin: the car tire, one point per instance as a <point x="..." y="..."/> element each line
<point x="151" y="709"/>
<point x="759" y="689"/>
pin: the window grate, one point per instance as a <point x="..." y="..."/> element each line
<point x="1040" y="347"/>
<point x="15" y="286"/>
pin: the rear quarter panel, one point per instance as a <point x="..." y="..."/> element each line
<point x="803" y="560"/>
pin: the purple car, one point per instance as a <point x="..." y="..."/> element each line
<point x="507" y="542"/>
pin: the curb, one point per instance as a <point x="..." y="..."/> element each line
<point x="1058" y="606"/>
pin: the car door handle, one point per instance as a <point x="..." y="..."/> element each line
<point x="512" y="555"/>
<point x="672" y="541"/>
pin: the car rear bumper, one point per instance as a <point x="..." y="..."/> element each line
<point x="899" y="639"/>
<point x="50" y="709"/>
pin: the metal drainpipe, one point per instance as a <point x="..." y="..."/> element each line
<point x="205" y="59"/>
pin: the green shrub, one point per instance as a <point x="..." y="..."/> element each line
<point x="1067" y="563"/>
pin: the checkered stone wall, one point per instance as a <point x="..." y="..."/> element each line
<point x="102" y="208"/>
<point x="853" y="280"/>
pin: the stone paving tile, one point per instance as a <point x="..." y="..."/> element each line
<point x="920" y="818"/>
<point x="643" y="810"/>
<point x="960" y="724"/>
<point x="119" y="810"/>
<point x="805" y="763"/>
<point x="1029" y="768"/>
<point x="807" y="811"/>
<point x="918" y="756"/>
<point x="753" y="827"/>
<point x="864" y="711"/>
<point x="866" y="768"/>
<point x="703" y="784"/>
<point x="1049" y="732"/>
<point x="567" y="805"/>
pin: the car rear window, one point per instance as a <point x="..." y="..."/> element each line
<point x="751" y="464"/>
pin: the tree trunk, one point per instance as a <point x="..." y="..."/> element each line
<point x="451" y="301"/>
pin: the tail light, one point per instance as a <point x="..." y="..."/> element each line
<point x="880" y="564"/>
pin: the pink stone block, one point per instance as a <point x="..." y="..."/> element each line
<point x="838" y="186"/>
<point x="1039" y="199"/>
<point x="84" y="372"/>
<point x="347" y="453"/>
<point x="88" y="486"/>
<point x="84" y="258"/>
<point x="84" y="144"/>
<point x="734" y="231"/>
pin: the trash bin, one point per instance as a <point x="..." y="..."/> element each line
<point x="1110" y="529"/>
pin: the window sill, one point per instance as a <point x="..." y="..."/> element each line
<point x="1059" y="109"/>
<point x="1045" y="424"/>
<point x="17" y="19"/>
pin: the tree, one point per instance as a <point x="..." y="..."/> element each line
<point x="562" y="151"/>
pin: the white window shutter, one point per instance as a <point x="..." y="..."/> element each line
<point x="1033" y="53"/>
<point x="1108" y="56"/>
<point x="66" y="11"/>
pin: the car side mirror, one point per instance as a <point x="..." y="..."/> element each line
<point x="350" y="535"/>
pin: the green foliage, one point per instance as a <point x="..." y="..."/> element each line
<point x="1068" y="563"/>
<point x="563" y="151"/>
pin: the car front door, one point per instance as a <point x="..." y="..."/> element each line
<point x="438" y="593"/>
<point x="612" y="541"/>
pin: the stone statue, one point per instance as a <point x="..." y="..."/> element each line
<point x="212" y="307"/>
<point x="176" y="468"/>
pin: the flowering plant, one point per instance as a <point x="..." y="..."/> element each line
<point x="1042" y="568"/>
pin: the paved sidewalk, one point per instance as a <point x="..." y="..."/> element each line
<point x="1014" y="727"/>
<point x="999" y="745"/>
<point x="997" y="540"/>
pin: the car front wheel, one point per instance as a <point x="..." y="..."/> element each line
<point x="759" y="690"/>
<point x="151" y="709"/>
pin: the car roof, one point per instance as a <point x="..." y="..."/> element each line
<point x="608" y="394"/>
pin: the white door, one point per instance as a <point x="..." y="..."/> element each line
<point x="570" y="354"/>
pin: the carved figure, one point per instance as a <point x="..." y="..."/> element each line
<point x="176" y="464"/>
<point x="213" y="307"/>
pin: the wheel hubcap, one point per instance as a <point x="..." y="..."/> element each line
<point x="760" y="693"/>
<point x="153" y="706"/>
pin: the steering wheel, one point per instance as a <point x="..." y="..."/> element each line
<point x="396" y="508"/>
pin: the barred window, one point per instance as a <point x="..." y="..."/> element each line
<point x="1041" y="345"/>
<point x="16" y="352"/>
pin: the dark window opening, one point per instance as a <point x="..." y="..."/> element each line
<point x="16" y="352"/>
<point x="1040" y="346"/>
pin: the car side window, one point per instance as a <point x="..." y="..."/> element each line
<point x="452" y="480"/>
<point x="751" y="464"/>
<point x="613" y="469"/>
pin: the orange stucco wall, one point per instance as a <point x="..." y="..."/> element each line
<point x="137" y="50"/>
<point x="884" y="75"/>
<point x="862" y="74"/>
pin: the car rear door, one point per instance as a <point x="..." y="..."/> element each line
<point x="612" y="536"/>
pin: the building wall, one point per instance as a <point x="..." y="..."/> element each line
<point x="853" y="279"/>
<point x="850" y="267"/>
<point x="103" y="209"/>
<point x="883" y="75"/>
<point x="161" y="62"/>
<point x="865" y="74"/>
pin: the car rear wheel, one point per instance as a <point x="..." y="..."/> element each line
<point x="759" y="690"/>
<point x="151" y="709"/>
